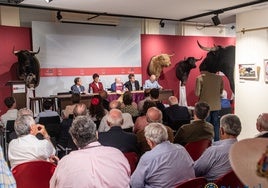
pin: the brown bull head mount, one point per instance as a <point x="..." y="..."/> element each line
<point x="157" y="63"/>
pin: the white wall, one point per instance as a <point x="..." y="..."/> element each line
<point x="251" y="47"/>
<point x="84" y="46"/>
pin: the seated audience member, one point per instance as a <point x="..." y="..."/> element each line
<point x="198" y="129"/>
<point x="116" y="137"/>
<point x="104" y="97"/>
<point x="157" y="168"/>
<point x="214" y="162"/>
<point x="65" y="139"/>
<point x="93" y="165"/>
<point x="141" y="121"/>
<point x="152" y="83"/>
<point x="27" y="147"/>
<point x="117" y="86"/>
<point x="153" y="115"/>
<point x="262" y="125"/>
<point x="75" y="98"/>
<point x="146" y="97"/>
<point x="154" y="95"/>
<point x="127" y="123"/>
<point x="128" y="105"/>
<point x="7" y="179"/>
<point x="175" y="113"/>
<point x="12" y="111"/>
<point x="96" y="110"/>
<point x="77" y="87"/>
<point x="96" y="86"/>
<point x="48" y="112"/>
<point x="132" y="84"/>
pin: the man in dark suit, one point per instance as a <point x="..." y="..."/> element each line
<point x="132" y="84"/>
<point x="175" y="115"/>
<point x="116" y="136"/>
<point x="77" y="87"/>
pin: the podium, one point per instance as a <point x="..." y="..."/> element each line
<point x="18" y="91"/>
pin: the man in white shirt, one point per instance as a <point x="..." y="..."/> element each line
<point x="27" y="147"/>
<point x="152" y="83"/>
<point x="12" y="111"/>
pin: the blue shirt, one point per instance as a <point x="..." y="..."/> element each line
<point x="225" y="103"/>
<point x="150" y="85"/>
<point x="214" y="162"/>
<point x="6" y="176"/>
<point x="46" y="113"/>
<point x="166" y="165"/>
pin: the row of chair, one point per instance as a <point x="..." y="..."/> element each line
<point x="227" y="180"/>
<point x="38" y="174"/>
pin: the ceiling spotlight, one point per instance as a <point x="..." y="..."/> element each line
<point x="59" y="16"/>
<point x="216" y="20"/>
<point x="48" y="1"/>
<point x="161" y="23"/>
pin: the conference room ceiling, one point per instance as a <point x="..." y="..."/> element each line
<point x="156" y="9"/>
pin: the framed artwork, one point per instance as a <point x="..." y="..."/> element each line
<point x="266" y="70"/>
<point x="248" y="71"/>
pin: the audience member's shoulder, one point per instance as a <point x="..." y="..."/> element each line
<point x="126" y="115"/>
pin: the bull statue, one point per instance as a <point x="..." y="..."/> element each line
<point x="157" y="63"/>
<point x="220" y="59"/>
<point x="28" y="67"/>
<point x="184" y="67"/>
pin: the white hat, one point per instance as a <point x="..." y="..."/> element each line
<point x="244" y="157"/>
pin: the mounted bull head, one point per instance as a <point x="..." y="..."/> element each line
<point x="157" y="64"/>
<point x="184" y="67"/>
<point x="28" y="67"/>
<point x="220" y="59"/>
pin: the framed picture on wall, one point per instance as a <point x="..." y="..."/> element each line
<point x="248" y="71"/>
<point x="266" y="70"/>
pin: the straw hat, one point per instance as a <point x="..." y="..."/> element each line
<point x="244" y="158"/>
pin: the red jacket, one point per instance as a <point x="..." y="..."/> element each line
<point x="95" y="88"/>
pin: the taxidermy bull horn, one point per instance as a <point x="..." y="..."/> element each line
<point x="14" y="52"/>
<point x="199" y="59"/>
<point x="35" y="52"/>
<point x="209" y="49"/>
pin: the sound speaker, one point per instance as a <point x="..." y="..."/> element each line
<point x="216" y="20"/>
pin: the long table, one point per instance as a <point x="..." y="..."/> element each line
<point x="64" y="100"/>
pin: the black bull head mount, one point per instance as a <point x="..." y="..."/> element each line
<point x="28" y="67"/>
<point x="184" y="67"/>
<point x="220" y="59"/>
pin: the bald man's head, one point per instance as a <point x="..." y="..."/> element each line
<point x="173" y="100"/>
<point x="114" y="118"/>
<point x="152" y="78"/>
<point x="154" y="115"/>
<point x="80" y="109"/>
